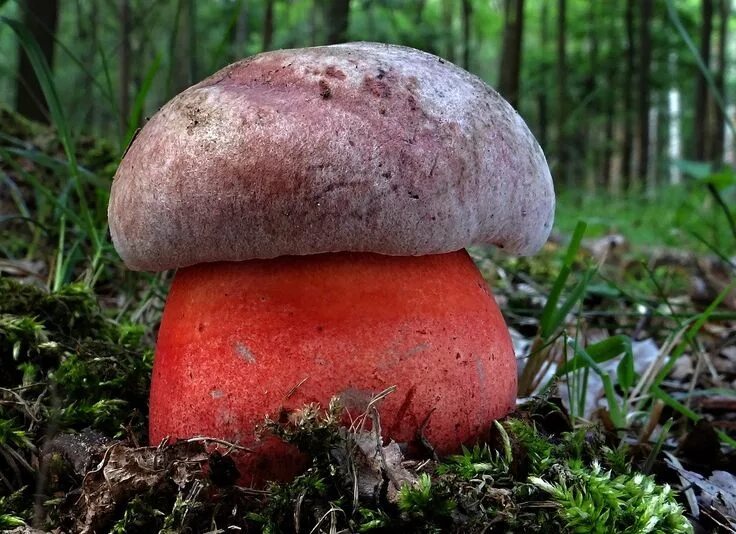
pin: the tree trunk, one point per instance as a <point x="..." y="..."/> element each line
<point x="701" y="90"/>
<point x="719" y="119"/>
<point x="645" y="59"/>
<point x="313" y="24"/>
<point x="674" y="121"/>
<point x="419" y="11"/>
<point x="542" y="91"/>
<point x="652" y="148"/>
<point x="729" y="150"/>
<point x="511" y="50"/>
<point x="192" y="41"/>
<point x="610" y="97"/>
<point x="608" y="133"/>
<point x="41" y="17"/>
<point x="562" y="148"/>
<point x="87" y="23"/>
<point x="182" y="48"/>
<point x="674" y="135"/>
<point x="467" y="13"/>
<point x="448" y="16"/>
<point x="241" y="30"/>
<point x="628" y="98"/>
<point x="125" y="30"/>
<point x="589" y="142"/>
<point x="268" y="25"/>
<point x="337" y="19"/>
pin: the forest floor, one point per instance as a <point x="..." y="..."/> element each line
<point x="625" y="334"/>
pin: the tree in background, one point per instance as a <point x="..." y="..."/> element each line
<point x="645" y="60"/>
<point x="467" y="15"/>
<point x="562" y="146"/>
<point x="336" y="14"/>
<point x="449" y="40"/>
<point x="709" y="119"/>
<point x="125" y="59"/>
<point x="628" y="97"/>
<point x="41" y="17"/>
<point x="542" y="103"/>
<point x="718" y="124"/>
<point x="700" y="127"/>
<point x="508" y="84"/>
<point x="594" y="80"/>
<point x="268" y="25"/>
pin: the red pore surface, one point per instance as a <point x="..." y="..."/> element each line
<point x="240" y="341"/>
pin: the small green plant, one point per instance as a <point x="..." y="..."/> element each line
<point x="473" y="462"/>
<point x="589" y="358"/>
<point x="425" y="501"/>
<point x="311" y="429"/>
<point x="96" y="369"/>
<point x="64" y="366"/>
<point x="138" y="515"/>
<point x="590" y="500"/>
<point x="307" y="493"/>
<point x="10" y="507"/>
<point x="554" y="313"/>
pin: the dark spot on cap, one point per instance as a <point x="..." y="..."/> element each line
<point x="334" y="72"/>
<point x="412" y="102"/>
<point x="324" y="90"/>
<point x="377" y="86"/>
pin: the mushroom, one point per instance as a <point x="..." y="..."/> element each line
<point x="316" y="203"/>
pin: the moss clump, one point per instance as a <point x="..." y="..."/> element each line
<point x="64" y="366"/>
<point x="11" y="509"/>
<point x="72" y="379"/>
<point x="528" y="480"/>
<point x="589" y="499"/>
<point x="91" y="371"/>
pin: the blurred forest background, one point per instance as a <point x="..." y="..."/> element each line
<point x="630" y="309"/>
<point x="618" y="93"/>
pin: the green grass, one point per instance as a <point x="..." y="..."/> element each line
<point x="672" y="218"/>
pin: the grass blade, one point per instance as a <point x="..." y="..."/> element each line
<point x="689" y="336"/>
<point x="600" y="352"/>
<point x="550" y="319"/>
<point x="140" y="101"/>
<point x="43" y="74"/>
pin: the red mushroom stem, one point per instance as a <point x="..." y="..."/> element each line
<point x="236" y="339"/>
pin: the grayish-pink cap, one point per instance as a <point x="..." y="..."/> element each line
<point x="362" y="147"/>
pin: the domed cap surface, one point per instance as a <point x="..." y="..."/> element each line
<point x="361" y="147"/>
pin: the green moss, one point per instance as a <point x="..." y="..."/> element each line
<point x="12" y="508"/>
<point x="591" y="500"/>
<point x="66" y="366"/>
<point x="528" y="481"/>
<point x="97" y="373"/>
<point x="19" y="127"/>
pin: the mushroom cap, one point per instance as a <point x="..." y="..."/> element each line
<point x="361" y="147"/>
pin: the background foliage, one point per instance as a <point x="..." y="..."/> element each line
<point x="595" y="79"/>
